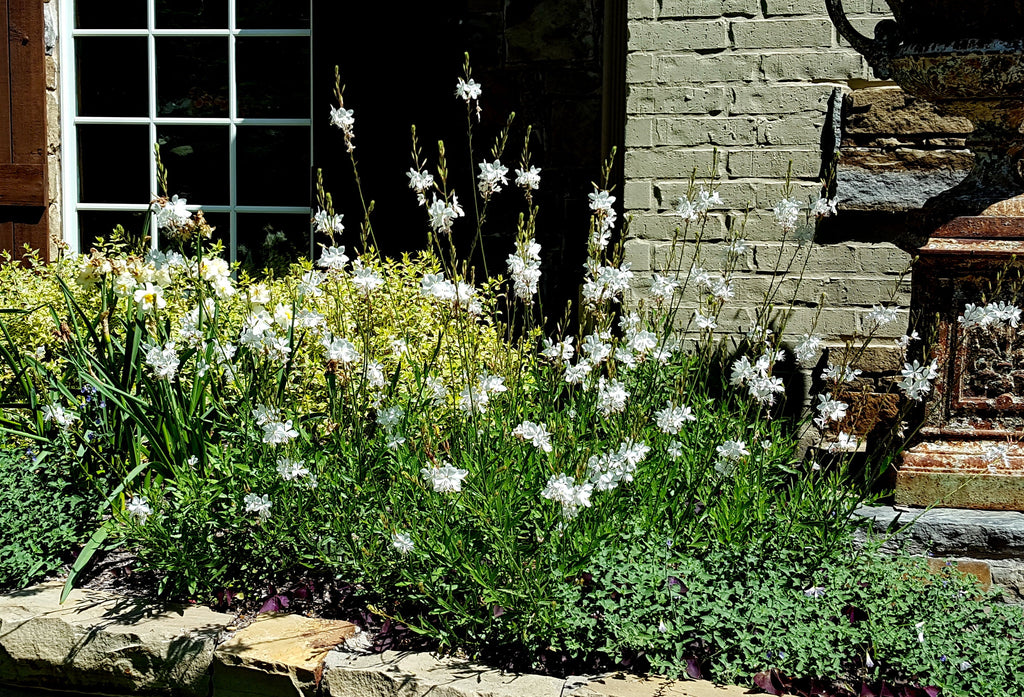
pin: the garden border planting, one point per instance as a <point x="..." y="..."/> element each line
<point x="99" y="641"/>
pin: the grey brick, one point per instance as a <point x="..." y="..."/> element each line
<point x="779" y="99"/>
<point x="804" y="129"/>
<point x="637" y="194"/>
<point x="690" y="67"/>
<point x="735" y="194"/>
<point x="639" y="132"/>
<point x="638" y="254"/>
<point x="641" y="9"/>
<point x="678" y="36"/>
<point x="670" y="163"/>
<point x="815" y="65"/>
<point x="639" y="67"/>
<point x="773" y="8"/>
<point x="666" y="227"/>
<point x="708" y="130"/>
<point x="773" y="163"/>
<point x="782" y="33"/>
<point x="709" y="8"/>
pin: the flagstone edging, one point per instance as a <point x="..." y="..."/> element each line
<point x="102" y="643"/>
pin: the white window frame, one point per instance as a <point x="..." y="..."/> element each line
<point x="70" y="119"/>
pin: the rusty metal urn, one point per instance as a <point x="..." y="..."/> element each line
<point x="966" y="58"/>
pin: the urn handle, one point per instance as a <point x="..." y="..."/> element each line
<point x="877" y="51"/>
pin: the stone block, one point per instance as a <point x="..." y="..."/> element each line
<point x="862" y="189"/>
<point x="779" y="99"/>
<point x="971" y="567"/>
<point x="814" y="65"/>
<point x="99" y="641"/>
<point x="277" y="656"/>
<point x="637" y="195"/>
<point x="776" y="8"/>
<point x="678" y="36"/>
<point x="804" y="129"/>
<point x="705" y="130"/>
<point x="689" y="100"/>
<point x="773" y="163"/>
<point x="395" y="674"/>
<point x="951" y="532"/>
<point x="641" y="9"/>
<point x="650" y="686"/>
<point x="639" y="132"/>
<point x="639" y="68"/>
<point x="671" y="163"/>
<point x="709" y="8"/>
<point x="704" y="69"/>
<point x="875" y="112"/>
<point x="782" y="33"/>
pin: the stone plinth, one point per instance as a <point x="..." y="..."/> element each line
<point x="970" y="455"/>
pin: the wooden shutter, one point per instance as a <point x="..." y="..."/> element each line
<point x="23" y="180"/>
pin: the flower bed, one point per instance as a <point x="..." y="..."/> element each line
<point x="625" y="486"/>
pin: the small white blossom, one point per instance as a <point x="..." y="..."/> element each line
<point x="278" y="432"/>
<point x="402" y="542"/>
<point x="57" y="414"/>
<point x="563" y="489"/>
<point x="324" y="222"/>
<point x="333" y="258"/>
<point x="824" y="207"/>
<point x="807" y="349"/>
<point x="881" y="316"/>
<point x="291" y="469"/>
<point x="528" y="179"/>
<point x="537" y="434"/>
<point x="163" y="361"/>
<point x="444" y="478"/>
<point x="260" y="505"/>
<point x="670" y="420"/>
<point x="139" y="509"/>
<point x="468" y="89"/>
<point x="815" y="592"/>
<point x="492" y="177"/>
<point x="917" y="379"/>
<point x="611" y="396"/>
<point x="786" y="213"/>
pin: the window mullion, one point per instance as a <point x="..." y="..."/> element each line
<point x="232" y="135"/>
<point x="151" y="47"/>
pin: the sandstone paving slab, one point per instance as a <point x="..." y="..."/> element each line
<point x="639" y="686"/>
<point x="102" y="642"/>
<point x="398" y="674"/>
<point x="277" y="655"/>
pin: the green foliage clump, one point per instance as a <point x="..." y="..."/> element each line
<point x="847" y="616"/>
<point x="44" y="513"/>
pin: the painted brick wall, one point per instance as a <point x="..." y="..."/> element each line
<point x="762" y="83"/>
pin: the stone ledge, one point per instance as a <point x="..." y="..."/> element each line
<point x="101" y="643"/>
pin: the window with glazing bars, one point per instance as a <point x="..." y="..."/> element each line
<point x="222" y="85"/>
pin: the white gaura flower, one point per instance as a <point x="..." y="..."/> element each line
<point x="738" y="246"/>
<point x="844" y="443"/>
<point x="815" y="592"/>
<point x="829" y="409"/>
<point x="468" y="90"/>
<point x="687" y="210"/>
<point x="840" y="373"/>
<point x="419" y="181"/>
<point x="917" y="379"/>
<point x="904" y="341"/>
<point x="663" y="289"/>
<point x="309" y="319"/>
<point x="342" y="118"/>
<point x="150" y="298"/>
<point x="324" y="222"/>
<point x="390" y="418"/>
<point x="824" y="207"/>
<point x="563" y="489"/>
<point x="291" y="469"/>
<point x="139" y="509"/>
<point x="524" y="268"/>
<point x="57" y="414"/>
<point x="611" y="396"/>
<point x="704" y="321"/>
<point x="278" y="432"/>
<point x="260" y="505"/>
<point x="442" y="214"/>
<point x="528" y="179"/>
<point x="263" y="414"/>
<point x="787" y="212"/>
<point x="537" y="434"/>
<point x="576" y="374"/>
<point x="341" y="350"/>
<point x="920" y="632"/>
<point x="444" y="478"/>
<point x="1002" y="312"/>
<point x="333" y="258"/>
<point x="402" y="542"/>
<point x="807" y="349"/>
<point x="492" y="177"/>
<point x="309" y="283"/>
<point x="732" y="450"/>
<point x="675" y="449"/>
<point x="881" y="316"/>
<point x="366" y="280"/>
<point x="163" y="361"/>
<point x="435" y="285"/>
<point x="171" y="213"/>
<point x="670" y="420"/>
<point x="601" y="201"/>
<point x="722" y="289"/>
<point x="562" y="351"/>
<point x="595" y="349"/>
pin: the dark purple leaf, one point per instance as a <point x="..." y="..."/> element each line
<point x="932" y="691"/>
<point x="275" y="603"/>
<point x="497" y="611"/>
<point x="770" y="682"/>
<point x="886" y="691"/>
<point x="693" y="668"/>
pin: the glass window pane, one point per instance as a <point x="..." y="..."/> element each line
<point x="196" y="158"/>
<point x="110" y="14"/>
<point x="273" y="77"/>
<point x="271" y="240"/>
<point x="113" y="164"/>
<point x="93" y="224"/>
<point x="99" y="59"/>
<point x="273" y="166"/>
<point x="192" y="76"/>
<point x="192" y="14"/>
<point x="272" y="14"/>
